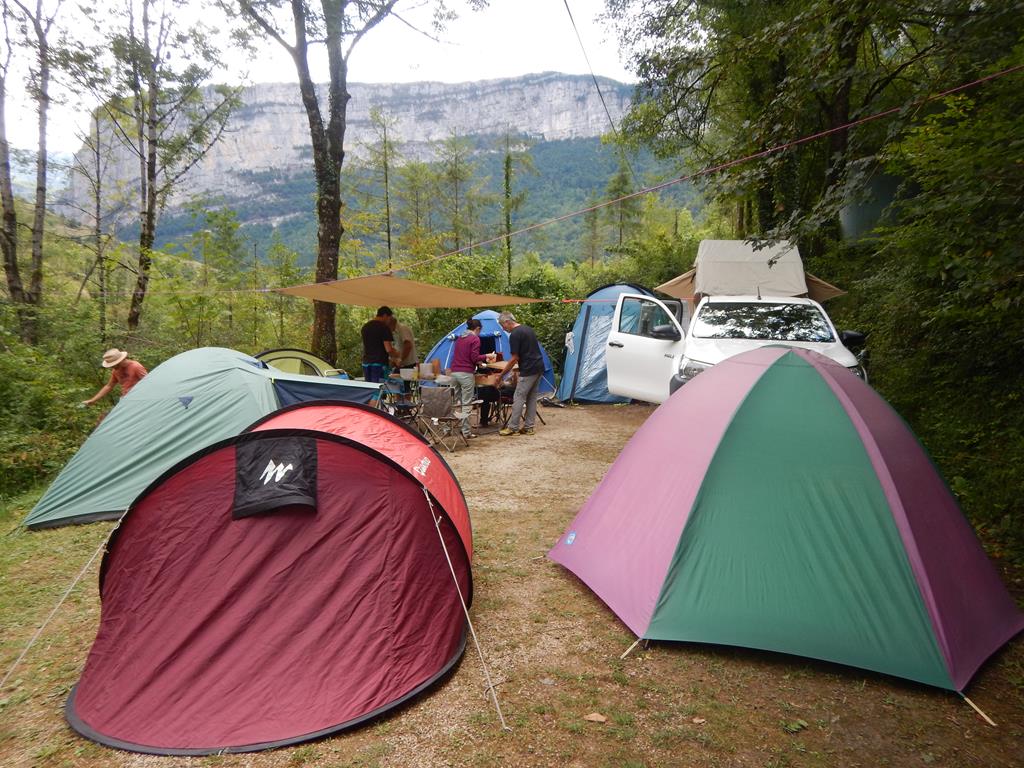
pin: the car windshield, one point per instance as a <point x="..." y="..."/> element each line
<point x="762" y="321"/>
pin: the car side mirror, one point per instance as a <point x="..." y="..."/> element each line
<point x="668" y="332"/>
<point x="851" y="338"/>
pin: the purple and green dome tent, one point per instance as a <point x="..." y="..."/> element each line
<point x="778" y="502"/>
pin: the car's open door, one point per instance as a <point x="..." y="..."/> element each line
<point x="645" y="346"/>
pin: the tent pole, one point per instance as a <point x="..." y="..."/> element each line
<point x="60" y="602"/>
<point x="487" y="675"/>
<point x="977" y="709"/>
<point x="634" y="645"/>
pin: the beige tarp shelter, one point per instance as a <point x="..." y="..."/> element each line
<point x="733" y="267"/>
<point x="378" y="290"/>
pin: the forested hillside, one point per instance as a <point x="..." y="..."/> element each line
<point x="563" y="177"/>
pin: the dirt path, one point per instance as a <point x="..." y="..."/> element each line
<point x="553" y="649"/>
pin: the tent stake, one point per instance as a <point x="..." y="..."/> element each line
<point x="487" y="675"/>
<point x="977" y="709"/>
<point x="60" y="602"/>
<point x="634" y="645"/>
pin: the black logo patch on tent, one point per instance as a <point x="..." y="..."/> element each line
<point x="274" y="473"/>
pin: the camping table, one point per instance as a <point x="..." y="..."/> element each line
<point x="504" y="403"/>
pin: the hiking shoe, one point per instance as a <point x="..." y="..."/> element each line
<point x="506" y="432"/>
<point x="471" y="435"/>
<point x="527" y="431"/>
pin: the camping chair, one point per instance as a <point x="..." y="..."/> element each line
<point x="505" y="406"/>
<point x="438" y="419"/>
<point x="398" y="402"/>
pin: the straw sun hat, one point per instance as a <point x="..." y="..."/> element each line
<point x="113" y="356"/>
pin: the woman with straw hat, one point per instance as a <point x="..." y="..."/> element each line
<point x="124" y="372"/>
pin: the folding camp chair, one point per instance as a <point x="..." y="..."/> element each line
<point x="400" y="402"/>
<point x="437" y="417"/>
<point x="505" y="395"/>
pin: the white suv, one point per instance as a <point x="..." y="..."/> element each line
<point x="649" y="356"/>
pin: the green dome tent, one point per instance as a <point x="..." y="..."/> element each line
<point x="294" y="360"/>
<point x="800" y="515"/>
<point x="186" y="403"/>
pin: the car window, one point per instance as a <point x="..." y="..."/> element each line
<point x="762" y="321"/>
<point x="639" y="316"/>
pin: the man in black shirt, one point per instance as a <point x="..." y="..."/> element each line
<point x="525" y="350"/>
<point x="378" y="346"/>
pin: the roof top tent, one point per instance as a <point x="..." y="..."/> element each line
<point x="798" y="478"/>
<point x="739" y="267"/>
<point x="492" y="339"/>
<point x="585" y="374"/>
<point x="297" y="361"/>
<point x="185" y="403"/>
<point x="276" y="587"/>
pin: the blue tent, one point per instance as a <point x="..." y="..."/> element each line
<point x="585" y="375"/>
<point x="492" y="339"/>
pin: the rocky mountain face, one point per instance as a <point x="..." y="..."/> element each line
<point x="269" y="134"/>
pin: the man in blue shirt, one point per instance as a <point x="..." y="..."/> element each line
<point x="525" y="350"/>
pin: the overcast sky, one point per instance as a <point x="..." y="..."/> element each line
<point x="509" y="38"/>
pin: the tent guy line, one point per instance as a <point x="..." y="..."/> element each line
<point x="600" y="95"/>
<point x="60" y="602"/>
<point x="491" y="689"/>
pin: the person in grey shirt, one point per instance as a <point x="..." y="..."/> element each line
<point x="404" y="341"/>
<point x="525" y="350"/>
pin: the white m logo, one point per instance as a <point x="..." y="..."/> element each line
<point x="274" y="472"/>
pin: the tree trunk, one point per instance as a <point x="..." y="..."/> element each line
<point x="9" y="230"/>
<point x="327" y="141"/>
<point x="101" y="261"/>
<point x="147" y="229"/>
<point x="765" y="205"/>
<point x="387" y="193"/>
<point x="28" y="299"/>
<point x="508" y="210"/>
<point x="328" y="156"/>
<point x="148" y="136"/>
<point x="849" y="31"/>
<point x="35" y="292"/>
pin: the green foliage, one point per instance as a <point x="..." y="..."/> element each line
<point x="948" y="304"/>
<point x="940" y="290"/>
<point x="40" y="424"/>
<point x="726" y="80"/>
<point x="550" y="319"/>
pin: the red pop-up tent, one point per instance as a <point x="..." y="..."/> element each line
<point x="279" y="586"/>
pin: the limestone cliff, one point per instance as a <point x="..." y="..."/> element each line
<point x="269" y="132"/>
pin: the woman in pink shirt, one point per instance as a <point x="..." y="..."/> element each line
<point x="464" y="360"/>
